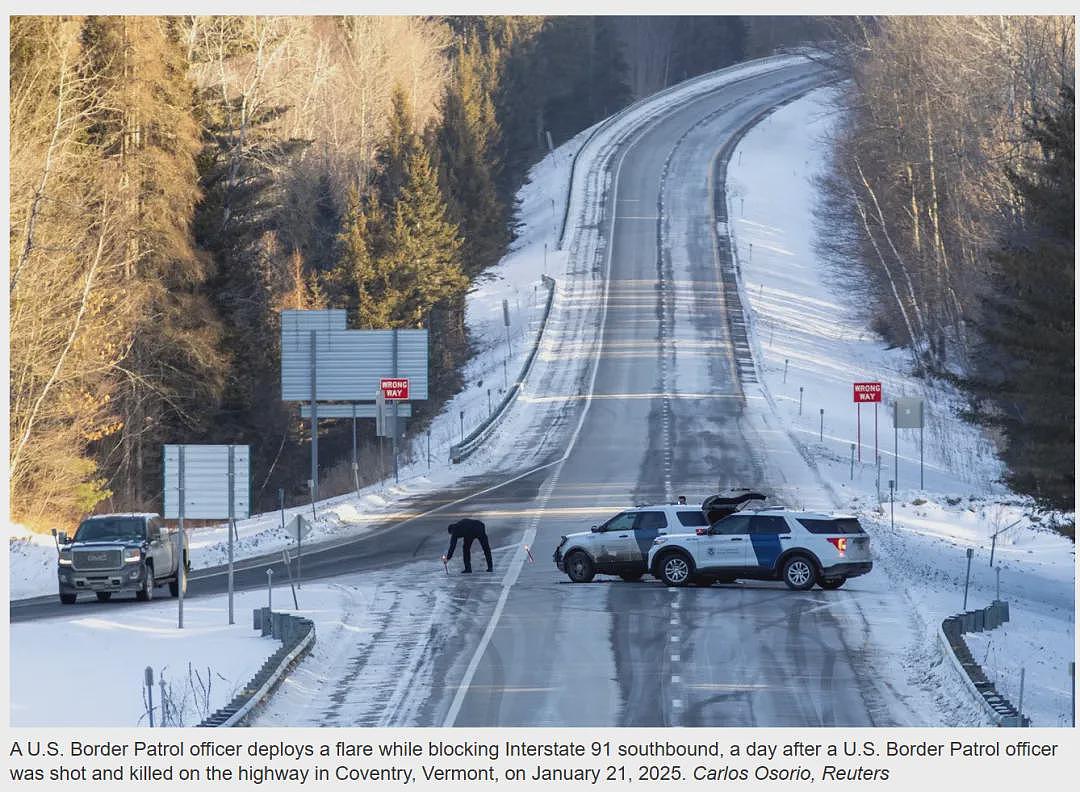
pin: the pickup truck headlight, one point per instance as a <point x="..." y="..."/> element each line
<point x="65" y="558"/>
<point x="132" y="555"/>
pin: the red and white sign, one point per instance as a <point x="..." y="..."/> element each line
<point x="865" y="392"/>
<point x="395" y="389"/>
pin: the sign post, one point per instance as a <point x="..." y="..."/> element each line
<point x="200" y="482"/>
<point x="865" y="392"/>
<point x="907" y="414"/>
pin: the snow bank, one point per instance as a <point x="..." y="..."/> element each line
<point x="809" y="333"/>
<point x="86" y="669"/>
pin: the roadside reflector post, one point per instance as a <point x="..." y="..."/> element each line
<point x="281" y="506"/>
<point x="311" y="491"/>
<point x="821" y="428"/>
<point x="967" y="576"/>
<point x="800" y="399"/>
<point x="181" y="572"/>
<point x="1020" y="703"/>
<point x="231" y="529"/>
<point x="892" y="512"/>
<point x="288" y="570"/>
<point x="148" y="681"/>
<point x="269" y="590"/>
<point x="461" y="417"/>
<point x="429" y="449"/>
<point x="852" y="461"/>
<point x="785" y="370"/>
<point x="489" y="402"/>
<point x="1072" y="687"/>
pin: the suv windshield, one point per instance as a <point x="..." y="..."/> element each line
<point x="100" y="529"/>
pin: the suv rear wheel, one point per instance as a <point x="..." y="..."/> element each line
<point x="675" y="568"/>
<point x="579" y="567"/>
<point x="174" y="586"/>
<point x="799" y="573"/>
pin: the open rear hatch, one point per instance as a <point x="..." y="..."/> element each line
<point x="717" y="507"/>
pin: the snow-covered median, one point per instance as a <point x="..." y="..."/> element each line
<point x="810" y="335"/>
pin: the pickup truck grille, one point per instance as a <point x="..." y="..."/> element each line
<point x="93" y="560"/>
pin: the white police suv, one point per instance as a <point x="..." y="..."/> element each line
<point x="621" y="545"/>
<point x="799" y="547"/>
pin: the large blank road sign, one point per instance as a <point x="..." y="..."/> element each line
<point x="350" y="364"/>
<point x="908" y="414"/>
<point x="404" y="410"/>
<point x="206" y="482"/>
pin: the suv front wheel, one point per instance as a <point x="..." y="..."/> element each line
<point x="579" y="567"/>
<point x="799" y="573"/>
<point x="675" y="568"/>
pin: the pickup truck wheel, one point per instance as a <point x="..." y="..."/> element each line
<point x="68" y="599"/>
<point x="104" y="596"/>
<point x="174" y="586"/>
<point x="146" y="590"/>
<point x="579" y="567"/>
<point x="799" y="573"/>
<point x="675" y="569"/>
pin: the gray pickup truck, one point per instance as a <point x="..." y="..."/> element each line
<point x="119" y="552"/>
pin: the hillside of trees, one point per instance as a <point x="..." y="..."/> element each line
<point x="952" y="197"/>
<point x="177" y="181"/>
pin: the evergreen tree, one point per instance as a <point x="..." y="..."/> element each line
<point x="400" y="144"/>
<point x="1028" y="370"/>
<point x="467" y="143"/>
<point x="148" y="139"/>
<point x="422" y="262"/>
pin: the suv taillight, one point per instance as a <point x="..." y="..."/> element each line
<point x="839" y="542"/>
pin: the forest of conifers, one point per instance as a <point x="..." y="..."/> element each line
<point x="177" y="181"/>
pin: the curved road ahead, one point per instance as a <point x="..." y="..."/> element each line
<point x="660" y="415"/>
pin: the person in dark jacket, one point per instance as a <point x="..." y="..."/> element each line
<point x="468" y="530"/>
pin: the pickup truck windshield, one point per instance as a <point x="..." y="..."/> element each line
<point x="110" y="528"/>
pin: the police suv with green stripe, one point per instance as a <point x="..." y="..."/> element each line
<point x="800" y="548"/>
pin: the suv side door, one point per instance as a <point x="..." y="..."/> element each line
<point x="727" y="544"/>
<point x="612" y="540"/>
<point x="770" y="535"/>
<point x="647" y="526"/>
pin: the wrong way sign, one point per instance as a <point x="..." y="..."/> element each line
<point x="396" y="389"/>
<point x="867" y="392"/>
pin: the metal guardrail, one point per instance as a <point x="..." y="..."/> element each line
<point x="983" y="692"/>
<point x="472" y="441"/>
<point x="297" y="636"/>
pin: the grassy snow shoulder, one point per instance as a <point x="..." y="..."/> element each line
<point x="811" y="340"/>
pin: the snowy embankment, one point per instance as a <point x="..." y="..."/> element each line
<point x="87" y="669"/>
<point x="810" y="334"/>
<point x="540" y="207"/>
